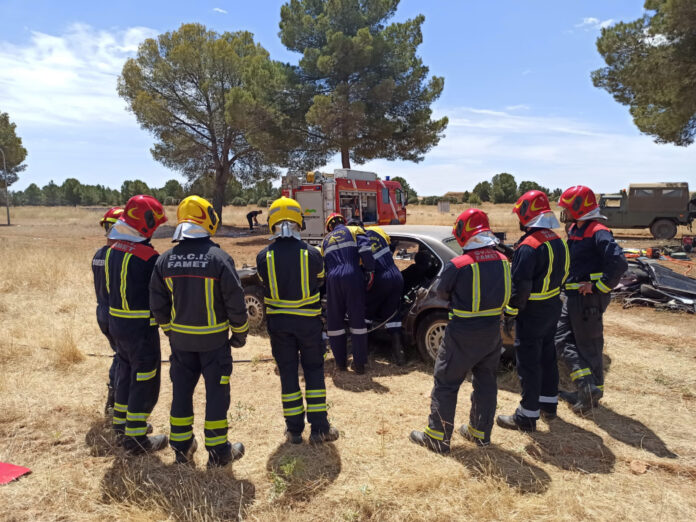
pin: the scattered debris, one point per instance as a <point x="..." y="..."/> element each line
<point x="648" y="283"/>
<point x="10" y="472"/>
<point x="638" y="467"/>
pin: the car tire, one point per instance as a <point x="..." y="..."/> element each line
<point x="256" y="311"/>
<point x="430" y="333"/>
<point x="663" y="229"/>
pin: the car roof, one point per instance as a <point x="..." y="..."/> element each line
<point x="432" y="235"/>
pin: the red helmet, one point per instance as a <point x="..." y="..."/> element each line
<point x="334" y="219"/>
<point x="144" y="213"/>
<point x="469" y="223"/>
<point x="578" y="201"/>
<point x="530" y="205"/>
<point x="110" y="217"/>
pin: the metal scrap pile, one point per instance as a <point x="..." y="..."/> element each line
<point x="648" y="283"/>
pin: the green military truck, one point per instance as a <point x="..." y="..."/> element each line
<point x="661" y="207"/>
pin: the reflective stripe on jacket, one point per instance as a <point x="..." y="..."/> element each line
<point x="196" y="295"/>
<point x="292" y="272"/>
<point x="381" y="252"/>
<point x="344" y="249"/>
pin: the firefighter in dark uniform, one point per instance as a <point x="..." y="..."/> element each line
<point x="292" y="273"/>
<point x="597" y="263"/>
<point x="129" y="263"/>
<point x="99" y="276"/>
<point x="197" y="298"/>
<point x="477" y="286"/>
<point x="384" y="297"/>
<point x="344" y="249"/>
<point x="539" y="269"/>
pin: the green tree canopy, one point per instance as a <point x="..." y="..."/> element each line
<point x="367" y="90"/>
<point x="32" y="195"/>
<point x="408" y="188"/>
<point x="208" y="99"/>
<point x="133" y="188"/>
<point x="503" y="188"/>
<point x="483" y="190"/>
<point x="15" y="153"/>
<point x="72" y="191"/>
<point x="52" y="195"/>
<point x="526" y="186"/>
<point x="651" y="67"/>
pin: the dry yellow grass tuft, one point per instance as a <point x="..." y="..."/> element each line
<point x="634" y="458"/>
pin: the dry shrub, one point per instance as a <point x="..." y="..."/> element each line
<point x="66" y="351"/>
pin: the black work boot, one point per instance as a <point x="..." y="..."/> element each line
<point x="223" y="456"/>
<point x="464" y="432"/>
<point x="398" y="349"/>
<point x="427" y="441"/>
<point x="547" y="415"/>
<point x="294" y="438"/>
<point x="358" y="368"/>
<point x="145" y="445"/>
<point x="568" y="396"/>
<point x="317" y="437"/>
<point x="186" y="457"/>
<point x="588" y="397"/>
<point x="515" y="422"/>
<point x="110" y="399"/>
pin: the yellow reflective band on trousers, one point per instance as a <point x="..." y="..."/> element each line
<point x="310" y="394"/>
<point x="135" y="417"/>
<point x="306" y="312"/>
<point x="121" y="408"/>
<point x="289" y="412"/>
<point x="106" y="269"/>
<point x="475" y="288"/>
<point x="600" y="386"/>
<point x="215" y="441"/>
<point x="434" y="434"/>
<point x="475" y="433"/>
<point x="136" y="432"/>
<point x="311" y="408"/>
<point x="210" y="301"/>
<point x="181" y="421"/>
<point x="225" y="379"/>
<point x="200" y="330"/>
<point x="216" y="425"/>
<point x="119" y="420"/>
<point x="129" y="314"/>
<point x="180" y="437"/>
<point x="289" y="397"/>
<point x="124" y="276"/>
<point x="272" y="281"/>
<point x="577" y="374"/>
<point x="146" y="376"/>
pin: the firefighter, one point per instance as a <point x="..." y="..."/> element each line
<point x="292" y="273"/>
<point x="477" y="287"/>
<point x="384" y="297"/>
<point x="197" y="298"/>
<point x="539" y="268"/>
<point x="99" y="276"/>
<point x="597" y="263"/>
<point x="129" y="263"/>
<point x="344" y="249"/>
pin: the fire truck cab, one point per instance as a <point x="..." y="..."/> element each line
<point x="353" y="193"/>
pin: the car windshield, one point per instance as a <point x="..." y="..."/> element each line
<point x="452" y="244"/>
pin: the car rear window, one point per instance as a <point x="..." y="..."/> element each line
<point x="452" y="244"/>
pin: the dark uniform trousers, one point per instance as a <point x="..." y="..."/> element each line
<point x="185" y="370"/>
<point x="297" y="340"/>
<point x="535" y="350"/>
<point x="469" y="345"/>
<point x="346" y="293"/>
<point x="137" y="378"/>
<point x="384" y="298"/>
<point x="580" y="336"/>
<point x="103" y="323"/>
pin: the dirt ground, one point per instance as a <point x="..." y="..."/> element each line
<point x="634" y="458"/>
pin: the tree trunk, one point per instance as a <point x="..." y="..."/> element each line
<point x="345" y="157"/>
<point x="221" y="177"/>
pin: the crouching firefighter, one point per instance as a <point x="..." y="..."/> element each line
<point x="129" y="263"/>
<point x="344" y="249"/>
<point x="477" y="287"/>
<point x="292" y="273"/>
<point x="99" y="275"/>
<point x="384" y="298"/>
<point x="597" y="263"/>
<point x="196" y="297"/>
<point x="539" y="269"/>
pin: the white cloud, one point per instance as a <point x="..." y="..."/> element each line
<point x="592" y="23"/>
<point x="555" y="151"/>
<point x="68" y="79"/>
<point x="219" y="10"/>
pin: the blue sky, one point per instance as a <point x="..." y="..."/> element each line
<point x="517" y="90"/>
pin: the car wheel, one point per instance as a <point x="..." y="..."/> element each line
<point x="256" y="312"/>
<point x="430" y="334"/>
<point x="663" y="229"/>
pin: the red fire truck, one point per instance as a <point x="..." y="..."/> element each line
<point x="353" y="193"/>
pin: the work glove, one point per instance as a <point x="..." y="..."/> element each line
<point x="238" y="340"/>
<point x="369" y="279"/>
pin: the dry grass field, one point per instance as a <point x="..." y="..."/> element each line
<point x="634" y="458"/>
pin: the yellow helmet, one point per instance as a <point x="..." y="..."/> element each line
<point x="196" y="210"/>
<point x="284" y="209"/>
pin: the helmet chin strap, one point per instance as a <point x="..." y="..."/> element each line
<point x="286" y="229"/>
